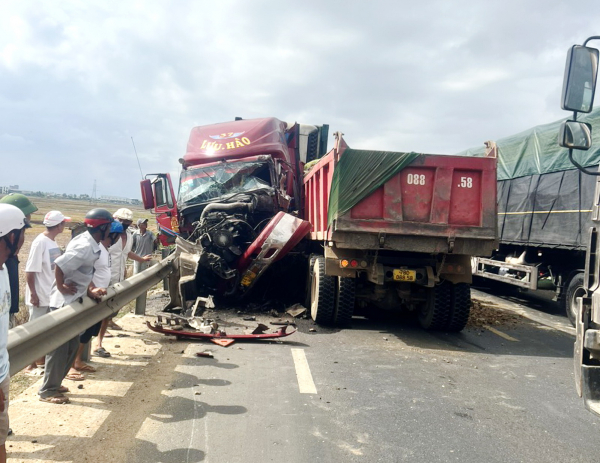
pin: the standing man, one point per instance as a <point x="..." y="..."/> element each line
<point x="144" y="244"/>
<point x="39" y="269"/>
<point x="12" y="235"/>
<point x="119" y="253"/>
<point x="12" y="264"/>
<point x="73" y="272"/>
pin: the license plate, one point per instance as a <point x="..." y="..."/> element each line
<point x="248" y="278"/>
<point x="405" y="275"/>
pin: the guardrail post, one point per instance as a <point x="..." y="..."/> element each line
<point x="85" y="355"/>
<point x="164" y="253"/>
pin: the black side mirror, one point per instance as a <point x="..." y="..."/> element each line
<point x="575" y="135"/>
<point x="580" y="79"/>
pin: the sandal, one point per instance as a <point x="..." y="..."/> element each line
<point x="55" y="399"/>
<point x="102" y="352"/>
<point x="75" y="377"/>
<point x="87" y="368"/>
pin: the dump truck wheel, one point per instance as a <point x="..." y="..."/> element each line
<point x="460" y="307"/>
<point x="433" y="314"/>
<point x="575" y="289"/>
<point x="322" y="294"/>
<point x="344" y="303"/>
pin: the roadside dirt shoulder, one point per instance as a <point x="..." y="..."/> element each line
<point x="106" y="410"/>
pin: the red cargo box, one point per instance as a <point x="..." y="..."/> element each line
<point x="435" y="204"/>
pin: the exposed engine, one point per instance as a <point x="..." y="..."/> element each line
<point x="222" y="234"/>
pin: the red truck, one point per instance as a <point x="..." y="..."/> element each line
<point x="397" y="231"/>
<point x="239" y="187"/>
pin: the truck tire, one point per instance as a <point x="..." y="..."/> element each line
<point x="434" y="313"/>
<point x="460" y="307"/>
<point x="344" y="303"/>
<point x="322" y="294"/>
<point x="575" y="289"/>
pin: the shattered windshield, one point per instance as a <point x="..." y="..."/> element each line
<point x="204" y="184"/>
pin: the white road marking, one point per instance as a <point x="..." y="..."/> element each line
<point x="500" y="333"/>
<point x="305" y="380"/>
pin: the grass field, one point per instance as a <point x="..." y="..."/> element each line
<point x="70" y="208"/>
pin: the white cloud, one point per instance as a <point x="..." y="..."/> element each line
<point x="79" y="79"/>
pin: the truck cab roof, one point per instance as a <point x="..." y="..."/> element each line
<point x="236" y="139"/>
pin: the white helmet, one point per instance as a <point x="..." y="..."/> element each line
<point x="123" y="214"/>
<point x="11" y="218"/>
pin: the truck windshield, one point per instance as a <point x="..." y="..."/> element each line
<point x="204" y="184"/>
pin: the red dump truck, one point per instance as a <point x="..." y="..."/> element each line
<point x="397" y="231"/>
<point x="236" y="210"/>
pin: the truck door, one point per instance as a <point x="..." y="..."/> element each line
<point x="158" y="194"/>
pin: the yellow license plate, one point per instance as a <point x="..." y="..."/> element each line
<point x="404" y="275"/>
<point x="248" y="278"/>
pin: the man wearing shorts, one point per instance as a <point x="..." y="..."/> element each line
<point x="12" y="234"/>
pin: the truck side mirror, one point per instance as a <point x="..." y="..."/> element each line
<point x="580" y="79"/>
<point x="147" y="196"/>
<point x="575" y="135"/>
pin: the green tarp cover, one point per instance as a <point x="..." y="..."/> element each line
<point x="536" y="150"/>
<point x="358" y="174"/>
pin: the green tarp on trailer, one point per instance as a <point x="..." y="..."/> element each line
<point x="536" y="151"/>
<point x="359" y="173"/>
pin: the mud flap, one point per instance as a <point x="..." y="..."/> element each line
<point x="281" y="234"/>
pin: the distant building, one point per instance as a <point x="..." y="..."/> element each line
<point x="115" y="199"/>
<point x="13" y="187"/>
<point x="3" y="190"/>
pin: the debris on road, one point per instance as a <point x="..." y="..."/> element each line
<point x="224" y="342"/>
<point x="158" y="328"/>
<point x="260" y="329"/>
<point x="485" y="315"/>
<point x="296" y="310"/>
<point x="204" y="354"/>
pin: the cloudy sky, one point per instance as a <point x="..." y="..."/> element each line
<point x="79" y="79"/>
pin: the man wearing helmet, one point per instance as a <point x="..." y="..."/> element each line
<point x="101" y="279"/>
<point x="12" y="264"/>
<point x="74" y="272"/>
<point x="119" y="253"/>
<point x="12" y="228"/>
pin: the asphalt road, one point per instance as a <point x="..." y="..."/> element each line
<point x="384" y="391"/>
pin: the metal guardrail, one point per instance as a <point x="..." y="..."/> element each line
<point x="35" y="339"/>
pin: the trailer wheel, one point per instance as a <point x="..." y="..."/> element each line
<point x="344" y="303"/>
<point x="322" y="294"/>
<point x="460" y="307"/>
<point x="433" y="314"/>
<point x="575" y="289"/>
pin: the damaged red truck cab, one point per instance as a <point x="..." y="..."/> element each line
<point x="236" y="209"/>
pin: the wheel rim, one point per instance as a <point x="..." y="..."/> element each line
<point x="314" y="295"/>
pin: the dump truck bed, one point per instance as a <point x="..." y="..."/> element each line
<point x="434" y="204"/>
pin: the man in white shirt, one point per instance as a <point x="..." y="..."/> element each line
<point x="39" y="270"/>
<point x="74" y="272"/>
<point x="119" y="253"/>
<point x="12" y="227"/>
<point x="101" y="279"/>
